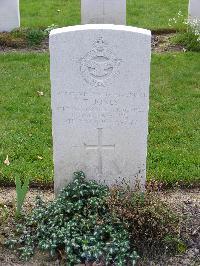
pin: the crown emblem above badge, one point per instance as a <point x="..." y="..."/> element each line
<point x="99" y="65"/>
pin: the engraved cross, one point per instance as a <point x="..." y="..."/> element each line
<point x="99" y="148"/>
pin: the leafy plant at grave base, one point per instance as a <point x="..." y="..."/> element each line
<point x="153" y="227"/>
<point x="190" y="39"/>
<point x="78" y="225"/>
<point x="21" y="191"/>
<point x="35" y="36"/>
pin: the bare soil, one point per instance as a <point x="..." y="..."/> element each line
<point x="160" y="44"/>
<point x="184" y="202"/>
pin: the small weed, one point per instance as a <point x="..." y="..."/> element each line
<point x="21" y="191"/>
<point x="4" y="213"/>
<point x="174" y="244"/>
<point x="50" y="28"/>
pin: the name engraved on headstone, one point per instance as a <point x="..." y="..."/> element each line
<point x="85" y="108"/>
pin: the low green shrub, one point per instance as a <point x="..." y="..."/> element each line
<point x="78" y="225"/>
<point x="88" y="222"/>
<point x="35" y="36"/>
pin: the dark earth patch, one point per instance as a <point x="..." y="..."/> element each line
<point x="160" y="44"/>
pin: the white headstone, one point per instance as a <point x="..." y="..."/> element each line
<point x="103" y="12"/>
<point x="194" y="9"/>
<point x="9" y="15"/>
<point x="100" y="96"/>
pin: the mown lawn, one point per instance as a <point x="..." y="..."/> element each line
<point x="25" y="131"/>
<point x="151" y="14"/>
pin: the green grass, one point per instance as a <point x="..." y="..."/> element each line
<point x="174" y="140"/>
<point x="25" y="117"/>
<point x="37" y="13"/>
<point x="25" y="131"/>
<point x="151" y="14"/>
<point x="154" y="14"/>
<point x="187" y="39"/>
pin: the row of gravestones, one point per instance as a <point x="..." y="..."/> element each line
<point x="92" y="11"/>
<point x="100" y="75"/>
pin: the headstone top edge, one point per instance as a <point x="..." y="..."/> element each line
<point x="100" y="27"/>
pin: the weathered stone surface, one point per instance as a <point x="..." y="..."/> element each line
<point x="9" y="15"/>
<point x="194" y="9"/>
<point x="100" y="98"/>
<point x="103" y="12"/>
